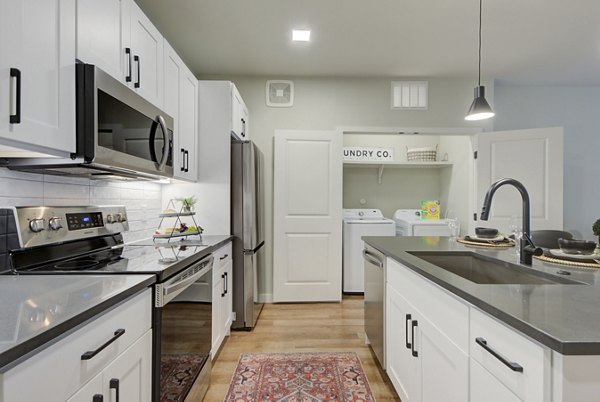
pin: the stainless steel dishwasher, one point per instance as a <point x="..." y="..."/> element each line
<point x="374" y="301"/>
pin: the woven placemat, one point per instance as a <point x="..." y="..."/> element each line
<point x="486" y="245"/>
<point x="567" y="262"/>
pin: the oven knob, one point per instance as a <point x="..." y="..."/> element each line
<point x="110" y="218"/>
<point x="55" y="223"/>
<point x="119" y="218"/>
<point x="37" y="225"/>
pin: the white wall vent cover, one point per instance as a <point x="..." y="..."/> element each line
<point x="280" y="93"/>
<point x="410" y="95"/>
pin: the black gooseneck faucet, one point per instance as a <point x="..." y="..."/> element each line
<point x="526" y="245"/>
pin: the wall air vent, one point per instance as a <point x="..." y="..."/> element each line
<point x="409" y="95"/>
<point x="280" y="93"/>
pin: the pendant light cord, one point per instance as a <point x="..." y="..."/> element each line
<point x="479" y="71"/>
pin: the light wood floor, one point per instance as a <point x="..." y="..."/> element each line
<point x="301" y="327"/>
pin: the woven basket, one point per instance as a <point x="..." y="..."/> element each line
<point x="421" y="154"/>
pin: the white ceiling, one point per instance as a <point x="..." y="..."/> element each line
<point x="531" y="41"/>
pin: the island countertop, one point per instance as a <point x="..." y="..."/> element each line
<point x="37" y="310"/>
<point x="564" y="317"/>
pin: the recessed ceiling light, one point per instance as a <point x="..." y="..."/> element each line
<point x="301" y="35"/>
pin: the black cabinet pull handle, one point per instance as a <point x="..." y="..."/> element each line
<point x="414" y="324"/>
<point x="187" y="161"/>
<point x="222" y="285"/>
<point x="98" y="398"/>
<point x="226" y="282"/>
<point x="136" y="58"/>
<point x="243" y="128"/>
<point x="511" y="365"/>
<point x="91" y="353"/>
<point x="16" y="118"/>
<point x="182" y="160"/>
<point x="128" y="53"/>
<point x="114" y="384"/>
<point x="225" y="256"/>
<point x="406" y="321"/>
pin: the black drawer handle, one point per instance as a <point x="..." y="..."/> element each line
<point x="222" y="285"/>
<point x="406" y="321"/>
<point x="182" y="160"/>
<point x="136" y="58"/>
<point x="91" y="353"/>
<point x="225" y="256"/>
<point x="128" y="53"/>
<point x="114" y="384"/>
<point x="511" y="365"/>
<point x="98" y="398"/>
<point x="226" y="282"/>
<point x="414" y="324"/>
<point x="16" y="118"/>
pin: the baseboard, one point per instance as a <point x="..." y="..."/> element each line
<point x="265" y="298"/>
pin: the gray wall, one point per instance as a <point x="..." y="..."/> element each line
<point x="576" y="108"/>
<point x="326" y="103"/>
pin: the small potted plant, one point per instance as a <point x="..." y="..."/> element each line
<point x="187" y="203"/>
<point x="596" y="230"/>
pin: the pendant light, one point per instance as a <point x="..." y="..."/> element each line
<point x="480" y="109"/>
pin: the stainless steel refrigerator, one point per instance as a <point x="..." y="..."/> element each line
<point x="247" y="227"/>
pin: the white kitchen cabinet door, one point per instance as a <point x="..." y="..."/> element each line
<point x="172" y="77"/>
<point x="307" y="259"/>
<point x="188" y="125"/>
<point x="227" y="301"/>
<point x="147" y="47"/>
<point x="535" y="158"/>
<point x="37" y="44"/>
<point x="444" y="367"/>
<point x="403" y="369"/>
<point x="129" y="376"/>
<point x="239" y="115"/>
<point x="104" y="36"/>
<point x="484" y="387"/>
<point x="217" y="307"/>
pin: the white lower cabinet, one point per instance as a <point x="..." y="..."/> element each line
<point x="423" y="363"/>
<point x="222" y="296"/>
<point x="62" y="373"/>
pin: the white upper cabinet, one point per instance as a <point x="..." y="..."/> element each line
<point x="239" y="115"/>
<point x="37" y="75"/>
<point x="104" y="36"/>
<point x="147" y="49"/>
<point x="116" y="36"/>
<point x="181" y="102"/>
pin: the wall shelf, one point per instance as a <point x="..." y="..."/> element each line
<point x="395" y="165"/>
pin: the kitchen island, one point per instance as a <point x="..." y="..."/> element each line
<point x="531" y="340"/>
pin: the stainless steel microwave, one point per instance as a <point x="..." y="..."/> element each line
<point x="119" y="134"/>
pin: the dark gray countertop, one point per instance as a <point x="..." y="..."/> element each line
<point x="39" y="309"/>
<point x="566" y="318"/>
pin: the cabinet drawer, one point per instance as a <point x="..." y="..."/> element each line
<point x="530" y="384"/>
<point x="59" y="371"/>
<point x="450" y="315"/>
<point x="222" y="256"/>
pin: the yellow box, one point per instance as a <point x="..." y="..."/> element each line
<point x="430" y="210"/>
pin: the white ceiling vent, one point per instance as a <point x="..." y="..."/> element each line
<point x="280" y="93"/>
<point x="410" y="95"/>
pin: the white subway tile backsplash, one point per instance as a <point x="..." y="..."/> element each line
<point x="143" y="200"/>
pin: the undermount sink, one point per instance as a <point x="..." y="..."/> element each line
<point x="484" y="270"/>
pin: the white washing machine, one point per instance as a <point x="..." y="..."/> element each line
<point x="358" y="223"/>
<point x="409" y="223"/>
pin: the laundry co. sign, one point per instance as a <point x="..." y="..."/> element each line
<point x="368" y="154"/>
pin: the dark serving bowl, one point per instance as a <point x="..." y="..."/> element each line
<point x="486" y="233"/>
<point x="584" y="247"/>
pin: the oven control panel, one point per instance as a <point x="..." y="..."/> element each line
<point x="47" y="225"/>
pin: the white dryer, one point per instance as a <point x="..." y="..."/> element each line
<point x="358" y="223"/>
<point x="409" y="223"/>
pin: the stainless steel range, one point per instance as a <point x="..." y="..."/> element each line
<point x="88" y="240"/>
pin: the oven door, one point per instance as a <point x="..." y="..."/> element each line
<point x="183" y="333"/>
<point x="129" y="132"/>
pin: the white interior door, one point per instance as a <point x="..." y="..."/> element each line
<point x="535" y="158"/>
<point x="307" y="257"/>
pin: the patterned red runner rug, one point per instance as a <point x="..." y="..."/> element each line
<point x="299" y="377"/>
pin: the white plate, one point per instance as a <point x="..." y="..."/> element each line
<point x="486" y="239"/>
<point x="556" y="252"/>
